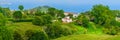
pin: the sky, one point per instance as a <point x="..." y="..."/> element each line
<point x="66" y="5"/>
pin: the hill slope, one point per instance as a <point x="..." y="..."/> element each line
<point x="89" y="37"/>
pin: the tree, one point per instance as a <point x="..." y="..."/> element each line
<point x="56" y="30"/>
<point x="6" y="11"/>
<point x="102" y="15"/>
<point x="2" y="20"/>
<point x="36" y="35"/>
<point x="57" y="14"/>
<point x="51" y="11"/>
<point x="60" y="14"/>
<point x="47" y="19"/>
<point x="71" y="15"/>
<point x="39" y="13"/>
<point x="38" y="21"/>
<point x="83" y="20"/>
<point x="42" y="20"/>
<point x="0" y="9"/>
<point x="21" y="7"/>
<point x="17" y="36"/>
<point x="17" y="15"/>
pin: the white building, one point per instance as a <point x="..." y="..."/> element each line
<point x="74" y="14"/>
<point x="67" y="19"/>
<point x="118" y="19"/>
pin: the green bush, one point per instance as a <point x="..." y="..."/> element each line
<point x="36" y="35"/>
<point x="2" y="20"/>
<point x="117" y="23"/>
<point x="17" y="15"/>
<point x="21" y="20"/>
<point x="38" y="21"/>
<point x="17" y="36"/>
<point x="111" y="31"/>
<point x="5" y="34"/>
<point x="55" y="30"/>
<point x="83" y="20"/>
<point x="42" y="20"/>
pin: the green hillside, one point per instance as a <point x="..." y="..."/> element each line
<point x="89" y="37"/>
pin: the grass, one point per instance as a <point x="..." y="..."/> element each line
<point x="93" y="33"/>
<point x="89" y="37"/>
<point x="22" y="27"/>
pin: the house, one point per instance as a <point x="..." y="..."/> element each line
<point x="118" y="19"/>
<point x="66" y="19"/>
<point x="74" y="14"/>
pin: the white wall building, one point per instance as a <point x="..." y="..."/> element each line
<point x="67" y="19"/>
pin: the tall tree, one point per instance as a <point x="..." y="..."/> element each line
<point x="21" y="7"/>
<point x="61" y="14"/>
<point x="42" y="19"/>
<point x="17" y="15"/>
<point x="102" y="14"/>
<point x="51" y="11"/>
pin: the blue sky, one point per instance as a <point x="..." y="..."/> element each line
<point x="66" y="5"/>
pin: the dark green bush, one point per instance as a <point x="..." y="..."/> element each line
<point x="17" y="36"/>
<point x="42" y="20"/>
<point x="36" y="35"/>
<point x="111" y="31"/>
<point x="117" y="23"/>
<point x="55" y="30"/>
<point x="38" y="21"/>
<point x="22" y="20"/>
<point x="83" y="20"/>
<point x="17" y="15"/>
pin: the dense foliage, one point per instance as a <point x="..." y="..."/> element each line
<point x="21" y="7"/>
<point x="102" y="15"/>
<point x="36" y="35"/>
<point x="2" y="20"/>
<point x="17" y="15"/>
<point x="5" y="34"/>
<point x="42" y="19"/>
<point x="56" y="30"/>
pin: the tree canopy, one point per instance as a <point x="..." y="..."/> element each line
<point x="21" y="7"/>
<point x="102" y="14"/>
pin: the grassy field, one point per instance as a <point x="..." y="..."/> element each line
<point x="89" y="37"/>
<point x="22" y="27"/>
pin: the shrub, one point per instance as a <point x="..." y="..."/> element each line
<point x="17" y="15"/>
<point x="38" y="21"/>
<point x="2" y="20"/>
<point x="5" y="34"/>
<point x="17" y="36"/>
<point x="55" y="30"/>
<point x="21" y="20"/>
<point x="36" y="35"/>
<point x="83" y="20"/>
<point x="111" y="31"/>
<point x="24" y="16"/>
<point x="42" y="20"/>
